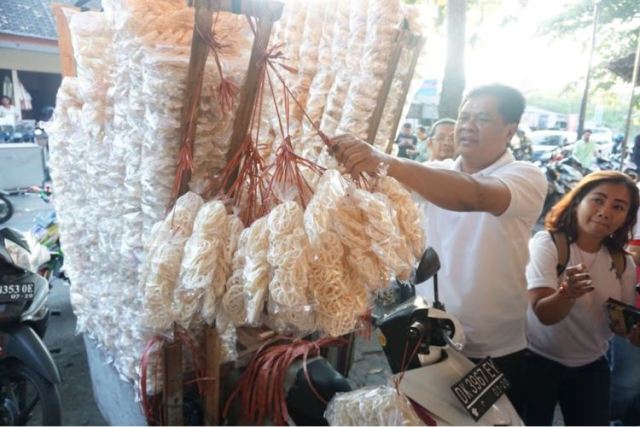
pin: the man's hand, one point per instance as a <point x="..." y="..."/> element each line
<point x="358" y="157"/>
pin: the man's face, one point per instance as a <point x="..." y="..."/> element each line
<point x="422" y="135"/>
<point x="586" y="136"/>
<point x="441" y="143"/>
<point x="406" y="130"/>
<point x="6" y="102"/>
<point x="481" y="133"/>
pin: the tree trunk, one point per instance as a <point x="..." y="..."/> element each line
<point x="453" y="82"/>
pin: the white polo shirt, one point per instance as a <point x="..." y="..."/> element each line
<point x="483" y="257"/>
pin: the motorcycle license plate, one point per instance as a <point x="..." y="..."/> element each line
<point x="16" y="292"/>
<point x="480" y="388"/>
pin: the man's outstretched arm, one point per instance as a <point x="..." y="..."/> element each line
<point x="451" y="190"/>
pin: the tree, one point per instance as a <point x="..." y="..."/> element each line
<point x="454" y="79"/>
<point x="453" y="83"/>
<point x="618" y="25"/>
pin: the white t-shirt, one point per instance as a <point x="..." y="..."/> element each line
<point x="636" y="229"/>
<point x="10" y="115"/>
<point x="581" y="337"/>
<point x="483" y="258"/>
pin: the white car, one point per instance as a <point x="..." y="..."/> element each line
<point x="601" y="135"/>
<point x="545" y="141"/>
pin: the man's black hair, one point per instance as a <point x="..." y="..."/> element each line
<point x="445" y="121"/>
<point x="422" y="129"/>
<point x="406" y="125"/>
<point x="511" y="102"/>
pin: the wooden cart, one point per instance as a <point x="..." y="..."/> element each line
<point x="249" y="339"/>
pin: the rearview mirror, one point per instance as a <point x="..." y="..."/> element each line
<point x="428" y="266"/>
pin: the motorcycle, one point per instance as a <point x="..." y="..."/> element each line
<point x="46" y="232"/>
<point x="6" y="207"/>
<point x="423" y="346"/>
<point x="433" y="376"/>
<point x="29" y="378"/>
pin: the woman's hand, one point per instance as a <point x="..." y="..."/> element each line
<point x="634" y="335"/>
<point x="358" y="157"/>
<point x="576" y="282"/>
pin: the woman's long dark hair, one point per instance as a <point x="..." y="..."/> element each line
<point x="562" y="217"/>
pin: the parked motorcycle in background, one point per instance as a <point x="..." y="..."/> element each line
<point x="46" y="232"/>
<point x="564" y="171"/>
<point x="29" y="378"/>
<point x="520" y="146"/>
<point x="6" y="207"/>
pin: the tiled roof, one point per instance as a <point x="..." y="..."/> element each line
<point x="33" y="18"/>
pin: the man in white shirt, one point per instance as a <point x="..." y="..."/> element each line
<point x="481" y="213"/>
<point x="441" y="141"/>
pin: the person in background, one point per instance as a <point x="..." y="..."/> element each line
<point x="441" y="141"/>
<point x="624" y="360"/>
<point x="9" y="111"/>
<point x="635" y="152"/>
<point x="585" y="149"/>
<point x="567" y="326"/>
<point x="406" y="141"/>
<point x="617" y="143"/>
<point x="421" y="152"/>
<point x="481" y="211"/>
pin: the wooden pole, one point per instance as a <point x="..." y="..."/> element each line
<point x="417" y="43"/>
<point x="585" y="94"/>
<point x="173" y="384"/>
<point x="67" y="61"/>
<point x="634" y="82"/>
<point x="195" y="78"/>
<point x="249" y="91"/>
<point x="173" y="393"/>
<point x="212" y="385"/>
<point x="376" y="117"/>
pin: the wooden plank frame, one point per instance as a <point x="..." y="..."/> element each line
<point x="266" y="12"/>
<point x="67" y="61"/>
<point x="415" y="44"/>
<point x="172" y="395"/>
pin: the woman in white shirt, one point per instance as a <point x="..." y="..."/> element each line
<point x="567" y="326"/>
<point x="9" y="111"/>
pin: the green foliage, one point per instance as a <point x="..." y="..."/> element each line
<point x="617" y="31"/>
<point x="568" y="101"/>
<point x="580" y="15"/>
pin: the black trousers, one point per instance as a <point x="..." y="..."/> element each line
<point x="513" y="367"/>
<point x="582" y="392"/>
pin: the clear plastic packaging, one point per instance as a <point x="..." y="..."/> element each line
<point x="371" y="406"/>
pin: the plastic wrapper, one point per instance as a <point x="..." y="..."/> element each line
<point x="381" y="26"/>
<point x="166" y="251"/>
<point x="407" y="212"/>
<point x="204" y="265"/>
<point x="257" y="271"/>
<point x="331" y="56"/>
<point x="314" y="19"/>
<point x="372" y="406"/>
<point x="348" y="68"/>
<point x="288" y="254"/>
<point x="233" y="305"/>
